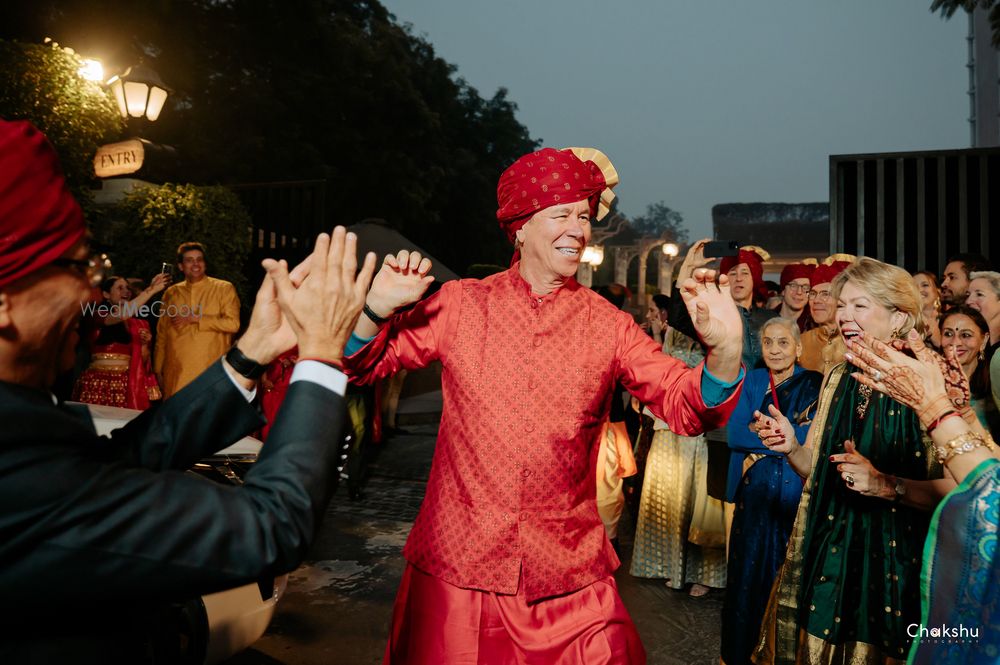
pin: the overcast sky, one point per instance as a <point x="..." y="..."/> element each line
<point x="698" y="103"/>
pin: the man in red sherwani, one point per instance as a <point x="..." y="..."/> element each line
<point x="508" y="561"/>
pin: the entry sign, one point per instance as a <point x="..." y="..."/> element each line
<point x="119" y="158"/>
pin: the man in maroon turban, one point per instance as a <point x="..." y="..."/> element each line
<point x="508" y="561"/>
<point x="795" y="294"/>
<point x="822" y="346"/>
<point x="100" y="538"/>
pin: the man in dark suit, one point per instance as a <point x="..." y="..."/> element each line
<point x="99" y="535"/>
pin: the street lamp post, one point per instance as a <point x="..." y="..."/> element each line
<point x="668" y="257"/>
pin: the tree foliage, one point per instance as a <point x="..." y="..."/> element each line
<point x="151" y="222"/>
<point x="947" y="8"/>
<point x="41" y="83"/>
<point x="660" y="220"/>
<point x="278" y="90"/>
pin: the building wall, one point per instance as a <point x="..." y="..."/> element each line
<point x="916" y="209"/>
<point x="984" y="82"/>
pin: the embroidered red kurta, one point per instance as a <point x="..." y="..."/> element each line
<point x="527" y="383"/>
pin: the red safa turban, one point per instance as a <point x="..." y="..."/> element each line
<point x="825" y="273"/>
<point x="795" y="271"/>
<point x="753" y="261"/>
<point x="545" y="178"/>
<point x="39" y="218"/>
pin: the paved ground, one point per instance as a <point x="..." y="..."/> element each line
<point x="339" y="603"/>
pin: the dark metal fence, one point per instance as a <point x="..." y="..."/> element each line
<point x="286" y="217"/>
<point x="914" y="209"/>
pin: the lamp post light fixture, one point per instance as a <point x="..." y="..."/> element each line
<point x="671" y="250"/>
<point x="92" y="70"/>
<point x="593" y="255"/>
<point x="139" y="92"/>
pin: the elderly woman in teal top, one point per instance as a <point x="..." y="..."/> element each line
<point x="960" y="581"/>
<point x="762" y="484"/>
<point x="849" y="587"/>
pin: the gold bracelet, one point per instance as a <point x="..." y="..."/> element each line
<point x="961" y="444"/>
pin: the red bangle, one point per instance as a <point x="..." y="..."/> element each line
<point x="336" y="364"/>
<point x="947" y="414"/>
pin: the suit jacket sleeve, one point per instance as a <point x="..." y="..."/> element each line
<point x="209" y="414"/>
<point x="77" y="527"/>
<point x="670" y="389"/>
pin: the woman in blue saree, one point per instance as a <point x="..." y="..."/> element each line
<point x="960" y="579"/>
<point x="763" y="485"/>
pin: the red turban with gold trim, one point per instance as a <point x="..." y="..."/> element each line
<point x="795" y="271"/>
<point x="548" y="177"/>
<point x="39" y="218"/>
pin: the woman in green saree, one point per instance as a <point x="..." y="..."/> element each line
<point x="849" y="586"/>
<point x="960" y="582"/>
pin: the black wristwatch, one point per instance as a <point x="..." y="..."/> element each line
<point x="244" y="366"/>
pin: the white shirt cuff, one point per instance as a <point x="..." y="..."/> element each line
<point x="247" y="394"/>
<point x="317" y="372"/>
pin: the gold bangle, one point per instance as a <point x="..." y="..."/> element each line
<point x="961" y="444"/>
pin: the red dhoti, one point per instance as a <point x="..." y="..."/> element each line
<point x="434" y="622"/>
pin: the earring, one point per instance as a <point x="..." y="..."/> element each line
<point x="982" y="354"/>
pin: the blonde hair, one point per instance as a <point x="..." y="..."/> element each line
<point x="992" y="277"/>
<point x="889" y="286"/>
<point x="793" y="327"/>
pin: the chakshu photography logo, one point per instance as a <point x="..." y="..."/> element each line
<point x="943" y="633"/>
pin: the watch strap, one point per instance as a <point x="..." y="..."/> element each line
<point x="244" y="366"/>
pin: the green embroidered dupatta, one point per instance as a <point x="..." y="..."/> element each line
<point x="850" y="582"/>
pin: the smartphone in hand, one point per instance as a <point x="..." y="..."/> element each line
<point x="718" y="248"/>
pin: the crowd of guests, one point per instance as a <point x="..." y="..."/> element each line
<point x="838" y="481"/>
<point x="812" y="513"/>
<point x="857" y="461"/>
<point x="145" y="343"/>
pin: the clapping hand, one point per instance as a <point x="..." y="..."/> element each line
<point x="927" y="383"/>
<point x="858" y="473"/>
<point x="324" y="309"/>
<point x="775" y="431"/>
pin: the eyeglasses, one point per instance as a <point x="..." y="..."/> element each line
<point x="94" y="269"/>
<point x="797" y="288"/>
<point x="820" y="295"/>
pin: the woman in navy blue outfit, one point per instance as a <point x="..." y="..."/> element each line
<point x="763" y="486"/>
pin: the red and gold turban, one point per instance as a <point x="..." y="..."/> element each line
<point x="796" y="271"/>
<point x="754" y="257"/>
<point x="830" y="268"/>
<point x="39" y="218"/>
<point x="548" y="177"/>
<point x="748" y="256"/>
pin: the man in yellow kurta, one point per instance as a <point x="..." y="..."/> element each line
<point x="197" y="322"/>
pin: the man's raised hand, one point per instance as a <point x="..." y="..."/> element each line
<point x="716" y="320"/>
<point x="402" y="280"/>
<point x="325" y="307"/>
